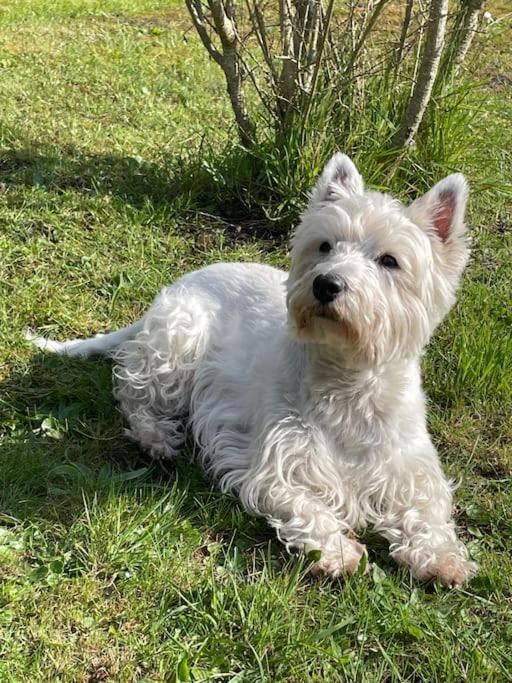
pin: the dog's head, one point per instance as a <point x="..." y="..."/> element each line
<point x="372" y="276"/>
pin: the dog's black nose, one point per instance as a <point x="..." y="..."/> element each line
<point x="326" y="288"/>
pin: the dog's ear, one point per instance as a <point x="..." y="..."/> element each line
<point x="339" y="178"/>
<point x="441" y="211"/>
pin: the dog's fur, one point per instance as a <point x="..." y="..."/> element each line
<point x="312" y="413"/>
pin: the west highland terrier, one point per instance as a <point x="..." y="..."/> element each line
<point x="303" y="389"/>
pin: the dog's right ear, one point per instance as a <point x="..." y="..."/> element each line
<point x="339" y="179"/>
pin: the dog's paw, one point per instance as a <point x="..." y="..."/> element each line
<point x="450" y="570"/>
<point x="454" y="571"/>
<point x="343" y="562"/>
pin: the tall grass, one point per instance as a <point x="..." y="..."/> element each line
<point x="272" y="179"/>
<point x="356" y="105"/>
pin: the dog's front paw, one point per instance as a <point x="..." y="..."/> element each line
<point x="452" y="571"/>
<point x="343" y="562"/>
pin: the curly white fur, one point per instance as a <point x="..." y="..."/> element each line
<point x="313" y="414"/>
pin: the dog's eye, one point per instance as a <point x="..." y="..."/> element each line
<point x="324" y="248"/>
<point x="388" y="261"/>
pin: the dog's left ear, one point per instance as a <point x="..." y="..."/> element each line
<point x="339" y="179"/>
<point x="441" y="210"/>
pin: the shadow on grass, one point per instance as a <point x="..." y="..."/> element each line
<point x="177" y="185"/>
<point x="64" y="438"/>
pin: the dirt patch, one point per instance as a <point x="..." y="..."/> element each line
<point x="209" y="232"/>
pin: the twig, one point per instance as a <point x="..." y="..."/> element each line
<point x="321" y="46"/>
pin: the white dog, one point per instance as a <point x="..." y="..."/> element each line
<point x="303" y="390"/>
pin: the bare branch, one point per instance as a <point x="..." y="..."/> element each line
<point x="258" y="23"/>
<point x="365" y="33"/>
<point x="321" y="47"/>
<point x="467" y="32"/>
<point x="283" y="66"/>
<point x="265" y="99"/>
<point x="288" y="78"/>
<point x="461" y="37"/>
<point x="403" y="37"/>
<point x="224" y="23"/>
<point x="196" y="13"/>
<point x="426" y="75"/>
<point x="313" y="31"/>
<point x="224" y="26"/>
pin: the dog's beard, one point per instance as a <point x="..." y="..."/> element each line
<point x="325" y="324"/>
<point x="348" y="323"/>
<point x="364" y="326"/>
<point x="325" y="318"/>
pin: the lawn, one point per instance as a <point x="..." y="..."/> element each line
<point x="114" y="568"/>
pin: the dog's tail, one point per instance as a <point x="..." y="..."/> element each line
<point x="100" y="345"/>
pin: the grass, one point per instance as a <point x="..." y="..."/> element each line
<point x="115" y="568"/>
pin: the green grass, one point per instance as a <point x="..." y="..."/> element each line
<point x="115" y="568"/>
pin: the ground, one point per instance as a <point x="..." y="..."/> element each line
<point x="113" y="568"/>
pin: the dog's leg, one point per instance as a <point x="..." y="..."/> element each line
<point x="153" y="372"/>
<point x="419" y="526"/>
<point x="311" y="527"/>
<point x="430" y="548"/>
<point x="294" y="484"/>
